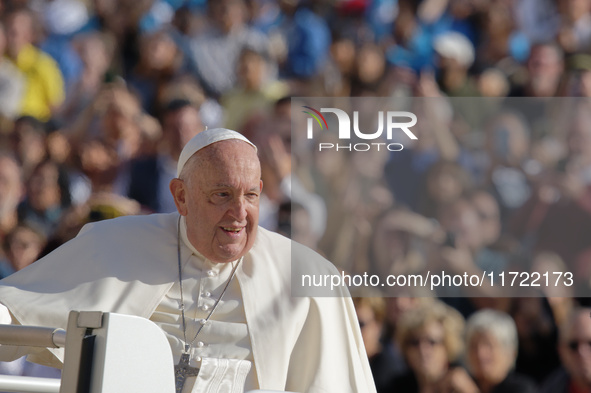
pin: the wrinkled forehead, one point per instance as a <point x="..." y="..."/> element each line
<point x="227" y="157"/>
<point x="210" y="137"/>
<point x="230" y="150"/>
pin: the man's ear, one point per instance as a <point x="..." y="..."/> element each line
<point x="261" y="186"/>
<point x="178" y="190"/>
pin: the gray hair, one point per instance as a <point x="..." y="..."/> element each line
<point x="497" y="323"/>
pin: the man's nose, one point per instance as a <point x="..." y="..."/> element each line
<point x="238" y="208"/>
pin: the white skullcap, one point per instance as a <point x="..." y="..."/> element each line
<point x="204" y="139"/>
<point x="455" y="46"/>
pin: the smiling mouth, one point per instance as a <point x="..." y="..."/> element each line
<point x="232" y="230"/>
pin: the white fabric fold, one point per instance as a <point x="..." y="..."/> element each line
<point x="221" y="376"/>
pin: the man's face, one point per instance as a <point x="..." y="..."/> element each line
<point x="220" y="200"/>
<point x="575" y="348"/>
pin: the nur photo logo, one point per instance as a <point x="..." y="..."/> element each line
<point x="388" y="121"/>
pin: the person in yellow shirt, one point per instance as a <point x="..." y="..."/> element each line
<point x="44" y="90"/>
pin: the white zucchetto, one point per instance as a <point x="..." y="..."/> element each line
<point x="206" y="138"/>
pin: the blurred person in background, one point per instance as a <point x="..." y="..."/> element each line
<point x="502" y="44"/>
<point x="12" y="190"/>
<point x="544" y="66"/>
<point x="365" y="196"/>
<point x="496" y="244"/>
<point x="539" y="20"/>
<point x="465" y="251"/>
<point x="342" y="64"/>
<point x="99" y="206"/>
<point x="59" y="21"/>
<point x="370" y="71"/>
<point x="445" y="182"/>
<point x="160" y="61"/>
<point x="488" y="211"/>
<point x="100" y="164"/>
<point x="150" y="175"/>
<point x="371" y="313"/>
<point x="29" y="143"/>
<point x="306" y="39"/>
<point x="507" y="146"/>
<point x="57" y="142"/>
<point x="398" y="302"/>
<point x="557" y="217"/>
<point x="491" y="339"/>
<point x="96" y="54"/>
<point x="46" y="198"/>
<point x="492" y="82"/>
<point x="12" y="82"/>
<point x="577" y="77"/>
<point x="575" y="33"/>
<point x="22" y="246"/>
<point x="537" y="319"/>
<point x="215" y="51"/>
<point x="59" y="150"/>
<point x="410" y="45"/>
<point x="577" y="163"/>
<point x="119" y="20"/>
<point x="405" y="171"/>
<point x="393" y="245"/>
<point x="44" y="90"/>
<point x="254" y="93"/>
<point x="272" y="134"/>
<point x="431" y="340"/>
<point x="455" y="57"/>
<point x="295" y="221"/>
<point x="115" y="118"/>
<point x="575" y="352"/>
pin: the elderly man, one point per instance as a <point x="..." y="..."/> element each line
<point x="216" y="283"/>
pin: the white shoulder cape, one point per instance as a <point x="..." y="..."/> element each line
<point x="126" y="265"/>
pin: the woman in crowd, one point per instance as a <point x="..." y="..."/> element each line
<point x="491" y="337"/>
<point x="431" y="341"/>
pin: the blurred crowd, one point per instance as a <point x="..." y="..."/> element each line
<point x="98" y="97"/>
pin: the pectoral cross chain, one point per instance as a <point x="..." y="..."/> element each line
<point x="182" y="371"/>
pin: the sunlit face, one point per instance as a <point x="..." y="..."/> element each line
<point x="220" y="200"/>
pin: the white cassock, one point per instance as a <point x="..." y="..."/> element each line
<point x="129" y="265"/>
